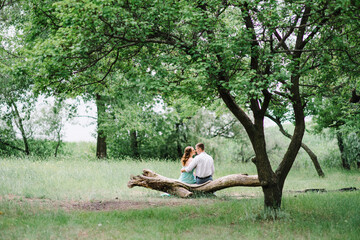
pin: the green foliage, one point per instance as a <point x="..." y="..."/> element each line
<point x="352" y="148"/>
<point x="188" y="47"/>
<point x="39" y="148"/>
<point x="44" y="148"/>
<point x="336" y="113"/>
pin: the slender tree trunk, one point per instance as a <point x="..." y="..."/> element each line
<point x="101" y="137"/>
<point x="344" y="161"/>
<point x="20" y="125"/>
<point x="134" y="143"/>
<point x="178" y="143"/>
<point x="58" y="143"/>
<point x="314" y="159"/>
<point x="179" y="149"/>
<point x="311" y="154"/>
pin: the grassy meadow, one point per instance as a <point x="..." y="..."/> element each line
<point x="40" y="199"/>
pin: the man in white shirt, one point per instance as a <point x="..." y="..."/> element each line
<point x="203" y="163"/>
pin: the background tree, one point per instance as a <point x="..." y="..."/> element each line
<point x="50" y="122"/>
<point x="140" y="124"/>
<point x="16" y="102"/>
<point x="336" y="113"/>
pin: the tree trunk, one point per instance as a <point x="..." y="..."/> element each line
<point x="344" y="161"/>
<point x="314" y="159"/>
<point x="134" y="143"/>
<point x="101" y="137"/>
<point x="272" y="196"/>
<point x="101" y="145"/>
<point x="311" y="154"/>
<point x="178" y="143"/>
<point x="58" y="143"/>
<point x="271" y="187"/>
<point x="152" y="180"/>
<point x="20" y="125"/>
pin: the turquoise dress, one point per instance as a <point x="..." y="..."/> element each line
<point x="187" y="177"/>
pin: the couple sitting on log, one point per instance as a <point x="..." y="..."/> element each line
<point x="184" y="186"/>
<point x="203" y="164"/>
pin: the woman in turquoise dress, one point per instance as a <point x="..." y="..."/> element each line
<point x="187" y="177"/>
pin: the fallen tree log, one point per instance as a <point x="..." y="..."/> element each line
<point x="152" y="180"/>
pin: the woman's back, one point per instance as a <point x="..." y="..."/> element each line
<point x="187" y="177"/>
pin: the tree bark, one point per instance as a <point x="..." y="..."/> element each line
<point x="134" y="143"/>
<point x="178" y="143"/>
<point x="101" y="137"/>
<point x="20" y="125"/>
<point x="314" y="159"/>
<point x="58" y="142"/>
<point x="344" y="161"/>
<point x="152" y="180"/>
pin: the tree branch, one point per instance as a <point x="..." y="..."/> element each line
<point x="302" y="28"/>
<point x="311" y="154"/>
<point x="237" y="111"/>
<point x="267" y="99"/>
<point x="12" y="146"/>
<point x="106" y="74"/>
<point x="318" y="27"/>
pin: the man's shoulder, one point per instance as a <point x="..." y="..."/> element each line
<point x="206" y="154"/>
<point x="203" y="155"/>
<point x="198" y="157"/>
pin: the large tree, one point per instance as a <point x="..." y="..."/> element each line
<point x="248" y="53"/>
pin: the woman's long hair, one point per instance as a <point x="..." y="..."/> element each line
<point x="186" y="155"/>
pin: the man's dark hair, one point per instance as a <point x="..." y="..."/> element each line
<point x="200" y="145"/>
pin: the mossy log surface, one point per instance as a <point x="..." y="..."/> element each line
<point x="152" y="180"/>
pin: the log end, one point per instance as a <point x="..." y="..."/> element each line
<point x="149" y="173"/>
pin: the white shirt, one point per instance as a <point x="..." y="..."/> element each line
<point x="204" y="165"/>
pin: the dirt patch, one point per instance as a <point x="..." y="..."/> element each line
<point x="102" y="205"/>
<point x="116" y="205"/>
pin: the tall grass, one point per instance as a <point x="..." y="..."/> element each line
<point x="73" y="179"/>
<point x="89" y="179"/>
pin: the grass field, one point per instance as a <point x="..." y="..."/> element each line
<point x="83" y="198"/>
